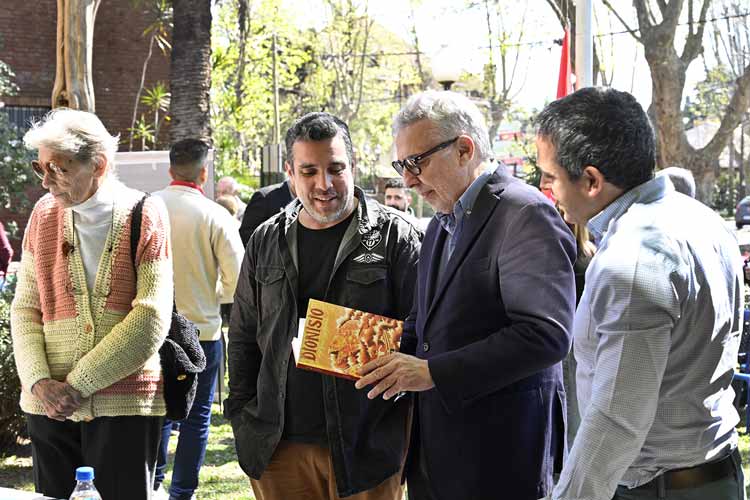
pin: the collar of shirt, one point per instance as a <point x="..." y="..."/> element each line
<point x="465" y="203"/>
<point x="99" y="204"/>
<point x="644" y="193"/>
<point x="188" y="184"/>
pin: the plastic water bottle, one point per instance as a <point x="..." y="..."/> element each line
<point x="85" y="489"/>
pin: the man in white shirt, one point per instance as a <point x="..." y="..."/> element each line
<point x="207" y="253"/>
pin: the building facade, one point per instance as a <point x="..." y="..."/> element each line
<point x="28" y="32"/>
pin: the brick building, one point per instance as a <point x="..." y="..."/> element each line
<point x="28" y="30"/>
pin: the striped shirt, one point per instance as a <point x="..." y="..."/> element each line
<point x="656" y="339"/>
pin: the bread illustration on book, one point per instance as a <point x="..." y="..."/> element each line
<point x="340" y="340"/>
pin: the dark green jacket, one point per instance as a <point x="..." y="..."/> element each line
<point x="375" y="271"/>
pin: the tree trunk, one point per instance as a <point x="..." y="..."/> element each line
<point x="74" y="86"/>
<point x="190" y="72"/>
<point x="668" y="69"/>
<point x="704" y="171"/>
<point x="667" y="84"/>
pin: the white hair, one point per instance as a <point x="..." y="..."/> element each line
<point x="227" y="185"/>
<point x="74" y="133"/>
<point x="453" y="114"/>
<point x="682" y="179"/>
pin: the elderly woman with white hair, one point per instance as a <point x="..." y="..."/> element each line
<point x="228" y="186"/>
<point x="86" y="323"/>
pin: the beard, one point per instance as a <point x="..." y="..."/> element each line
<point x="346" y="203"/>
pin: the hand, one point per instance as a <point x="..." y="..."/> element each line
<point x="395" y="373"/>
<point x="60" y="399"/>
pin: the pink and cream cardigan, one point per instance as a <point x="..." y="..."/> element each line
<point x="104" y="342"/>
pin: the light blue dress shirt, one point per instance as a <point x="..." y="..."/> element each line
<point x="656" y="336"/>
<point x="453" y="222"/>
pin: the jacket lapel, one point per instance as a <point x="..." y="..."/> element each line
<point x="432" y="251"/>
<point x="473" y="224"/>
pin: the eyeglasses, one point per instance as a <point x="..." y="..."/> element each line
<point x="411" y="163"/>
<point x="40" y="169"/>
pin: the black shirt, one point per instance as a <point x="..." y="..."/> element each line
<point x="304" y="414"/>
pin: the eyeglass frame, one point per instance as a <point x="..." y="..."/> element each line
<point x="40" y="170"/>
<point x="411" y="163"/>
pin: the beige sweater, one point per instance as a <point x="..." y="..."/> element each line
<point x="207" y="254"/>
<point x="105" y="341"/>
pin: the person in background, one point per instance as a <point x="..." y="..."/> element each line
<point x="490" y="324"/>
<point x="397" y="196"/>
<point x="264" y="204"/>
<point x="227" y="186"/>
<point x="207" y="253"/>
<point x="657" y="330"/>
<point x="230" y="203"/>
<point x="682" y="180"/>
<point x="585" y="252"/>
<point x="301" y="434"/>
<point x="86" y="325"/>
<point x="6" y="254"/>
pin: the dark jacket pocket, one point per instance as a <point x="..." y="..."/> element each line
<point x="270" y="288"/>
<point x="367" y="276"/>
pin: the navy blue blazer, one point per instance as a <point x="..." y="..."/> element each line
<point x="494" y="330"/>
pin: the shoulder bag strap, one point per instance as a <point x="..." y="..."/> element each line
<point x="135" y="229"/>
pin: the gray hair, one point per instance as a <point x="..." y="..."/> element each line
<point x="681" y="178"/>
<point x="453" y="114"/>
<point x="227" y="185"/>
<point x="74" y="133"/>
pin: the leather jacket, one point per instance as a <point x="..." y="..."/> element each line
<point x="375" y="270"/>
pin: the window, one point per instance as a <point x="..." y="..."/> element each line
<point x="22" y="116"/>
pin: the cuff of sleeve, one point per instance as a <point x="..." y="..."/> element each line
<point x="35" y="377"/>
<point x="408" y="346"/>
<point x="81" y="384"/>
<point x="443" y="372"/>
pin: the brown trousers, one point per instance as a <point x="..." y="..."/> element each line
<point x="305" y="472"/>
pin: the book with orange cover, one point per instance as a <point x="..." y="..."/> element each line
<point x="338" y="340"/>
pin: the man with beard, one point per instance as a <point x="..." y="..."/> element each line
<point x="301" y="434"/>
<point x="397" y="196"/>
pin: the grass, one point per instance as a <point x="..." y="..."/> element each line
<point x="15" y="470"/>
<point x="221" y="476"/>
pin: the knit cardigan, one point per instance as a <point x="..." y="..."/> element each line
<point x="104" y="342"/>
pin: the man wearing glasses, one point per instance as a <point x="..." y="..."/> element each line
<point x="491" y="321"/>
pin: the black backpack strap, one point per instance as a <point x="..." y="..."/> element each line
<point x="135" y="227"/>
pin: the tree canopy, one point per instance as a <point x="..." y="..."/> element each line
<point x="352" y="67"/>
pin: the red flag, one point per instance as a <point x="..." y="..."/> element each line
<point x="563" y="81"/>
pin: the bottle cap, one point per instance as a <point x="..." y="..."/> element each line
<point x="84" y="474"/>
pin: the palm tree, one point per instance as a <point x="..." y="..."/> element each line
<point x="190" y="71"/>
